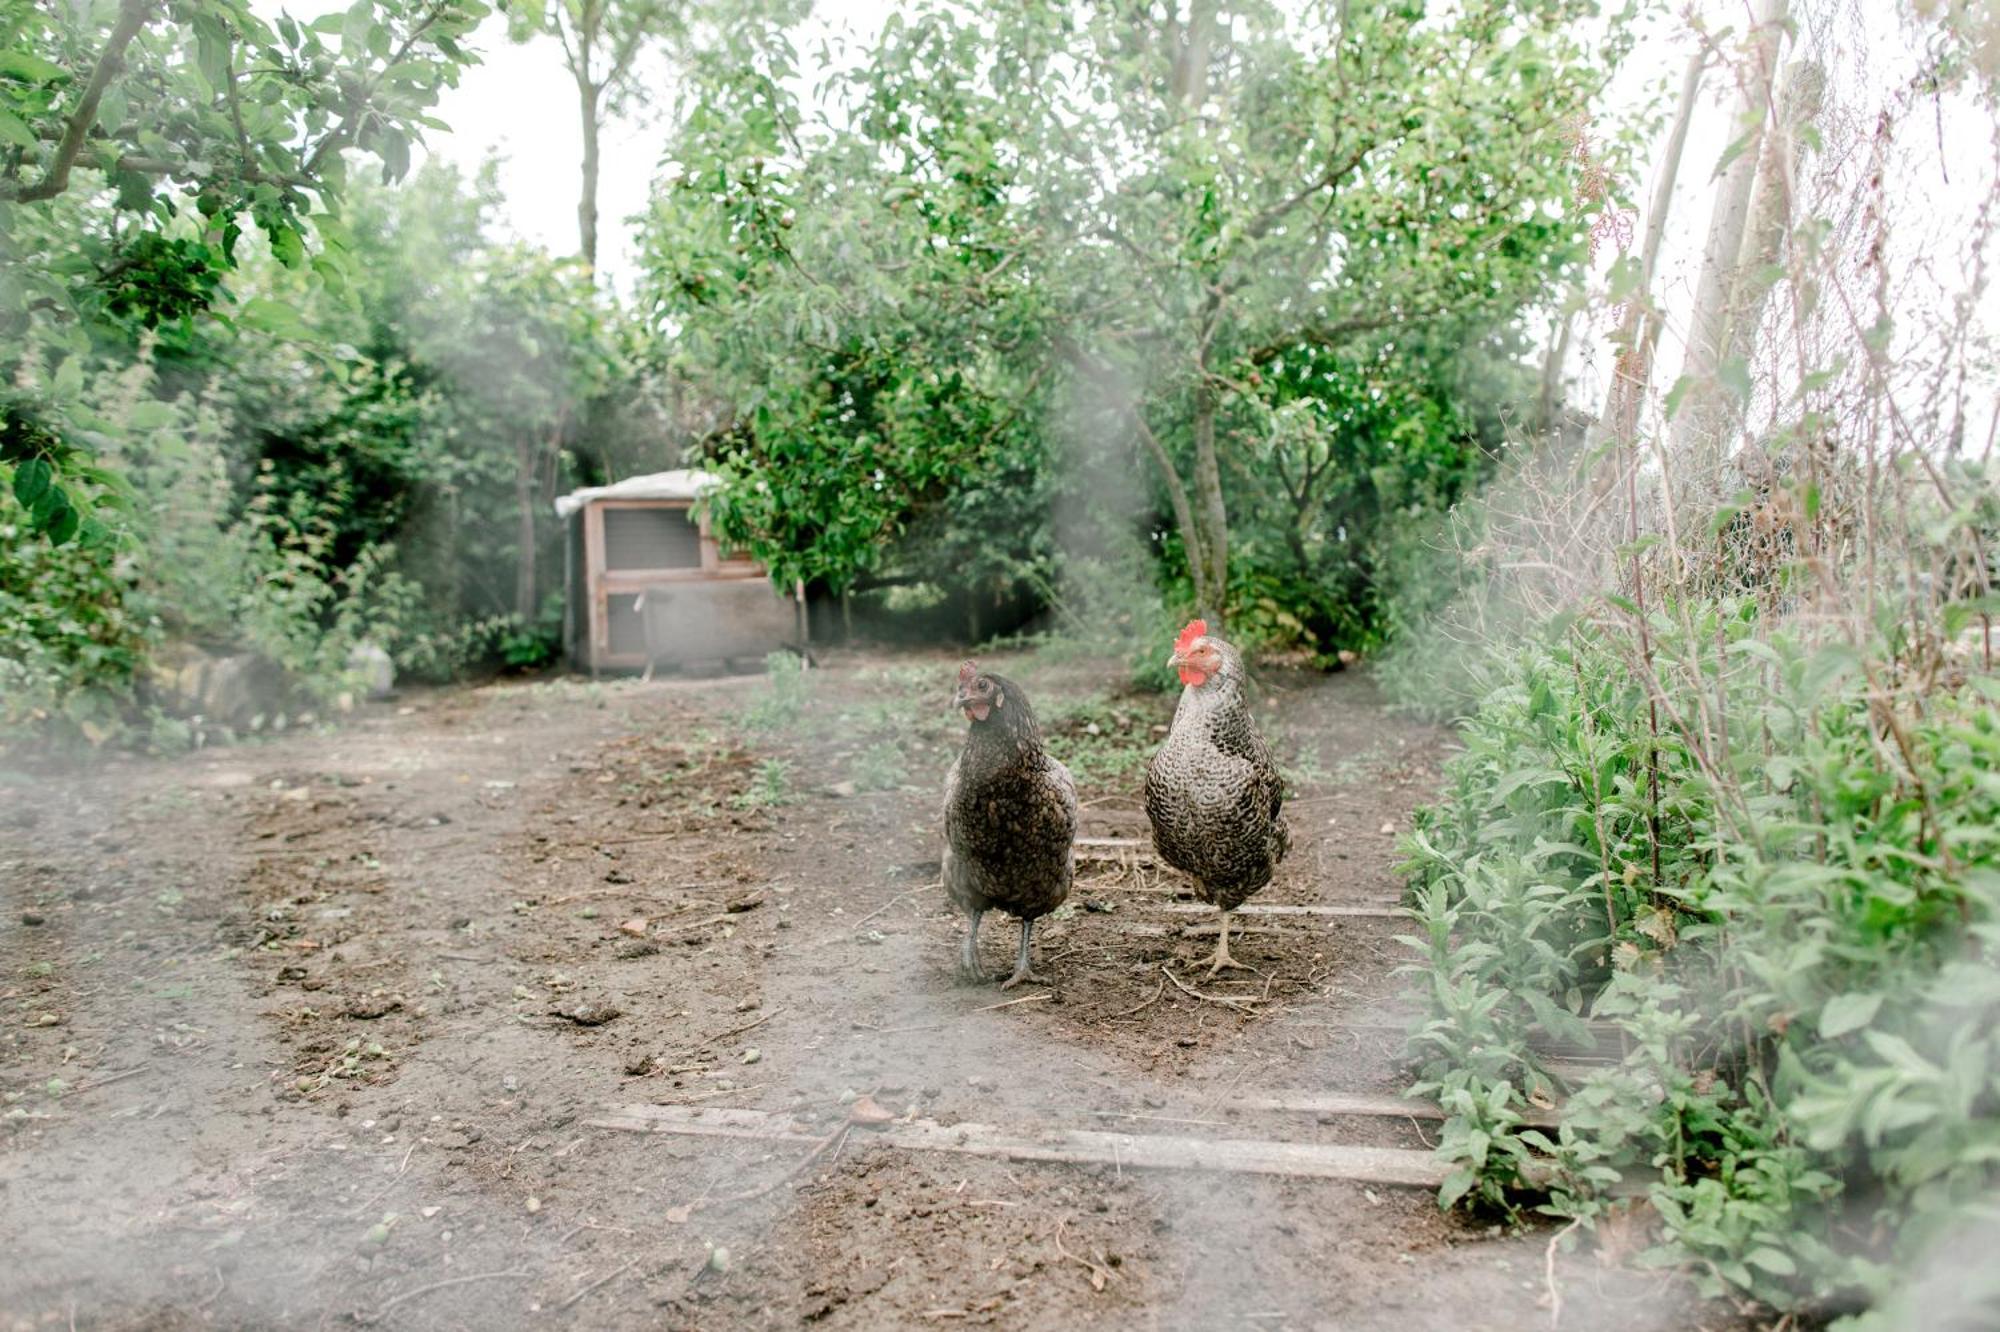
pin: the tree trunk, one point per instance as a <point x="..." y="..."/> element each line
<point x="524" y="537"/>
<point x="1698" y="430"/>
<point x="1210" y="515"/>
<point x="589" y="95"/>
<point x="1184" y="513"/>
<point x="1770" y="218"/>
<point x="1187" y="82"/>
<point x="1552" y="373"/>
<point x="1639" y="332"/>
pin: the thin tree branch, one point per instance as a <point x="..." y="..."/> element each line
<point x="132" y="16"/>
<point x="340" y="135"/>
<point x="1176" y="492"/>
<point x="1271" y="216"/>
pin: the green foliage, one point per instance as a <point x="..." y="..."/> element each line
<point x="787" y="689"/>
<point x="770" y="787"/>
<point x="351" y="472"/>
<point x="1785" y="912"/>
<point x="1108" y="604"/>
<point x="901" y="302"/>
<point x="1351" y="457"/>
<point x="528" y="647"/>
<point x="71" y="637"/>
<point x="140" y="141"/>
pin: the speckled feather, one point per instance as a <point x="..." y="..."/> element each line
<point x="1009" y="816"/>
<point x="1213" y="794"/>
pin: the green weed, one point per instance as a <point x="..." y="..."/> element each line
<point x="880" y="767"/>
<point x="784" y="695"/>
<point x="772" y="786"/>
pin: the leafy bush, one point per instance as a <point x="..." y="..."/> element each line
<point x="1109" y="604"/>
<point x="71" y="637"/>
<point x="1773" y="884"/>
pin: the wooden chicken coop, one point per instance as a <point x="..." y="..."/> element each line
<point x="647" y="584"/>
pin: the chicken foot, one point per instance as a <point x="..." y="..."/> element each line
<point x="968" y="951"/>
<point x="1222" y="959"/>
<point x="1021" y="973"/>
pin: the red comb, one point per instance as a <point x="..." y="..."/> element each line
<point x="967" y="671"/>
<point x="1195" y="629"/>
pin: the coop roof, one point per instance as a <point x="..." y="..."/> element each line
<point x="683" y="483"/>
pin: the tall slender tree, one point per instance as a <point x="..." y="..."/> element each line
<point x="603" y="43"/>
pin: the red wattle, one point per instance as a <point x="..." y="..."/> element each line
<point x="1191" y="676"/>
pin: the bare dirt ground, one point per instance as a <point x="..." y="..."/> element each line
<point x="312" y="1033"/>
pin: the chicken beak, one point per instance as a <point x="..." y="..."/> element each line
<point x="1176" y="659"/>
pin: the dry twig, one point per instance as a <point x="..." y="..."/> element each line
<point x="389" y="1304"/>
<point x="1098" y="1274"/>
<point x="1240" y="1005"/>
<point x="1115" y="1017"/>
<point x="612" y="1275"/>
<point x="1549" y="1273"/>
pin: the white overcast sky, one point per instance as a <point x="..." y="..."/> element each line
<point x="519" y="106"/>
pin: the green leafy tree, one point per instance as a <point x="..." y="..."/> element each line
<point x="1171" y="219"/>
<point x="862" y="313"/>
<point x="457" y="380"/>
<point x="137" y="139"/>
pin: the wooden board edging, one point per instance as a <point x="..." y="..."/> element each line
<point x="1141" y="1151"/>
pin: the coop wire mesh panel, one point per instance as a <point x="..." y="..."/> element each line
<point x="650" y="539"/>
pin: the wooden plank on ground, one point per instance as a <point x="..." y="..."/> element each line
<point x="1139" y="1151"/>
<point x="1373" y="910"/>
<point x="1210" y="930"/>
<point x="1385" y="1107"/>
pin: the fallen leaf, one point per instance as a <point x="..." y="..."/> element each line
<point x="866" y="1111"/>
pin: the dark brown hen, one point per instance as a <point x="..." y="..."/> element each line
<point x="1009" y="817"/>
<point x="1213" y="794"/>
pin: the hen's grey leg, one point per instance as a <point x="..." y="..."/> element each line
<point x="1021" y="972"/>
<point x="968" y="951"/>
<point x="1222" y="958"/>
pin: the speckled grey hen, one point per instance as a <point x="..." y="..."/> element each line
<point x="1009" y="817"/>
<point x="1213" y="794"/>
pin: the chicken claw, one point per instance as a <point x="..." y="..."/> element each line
<point x="1021" y="973"/>
<point x="1222" y="960"/>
